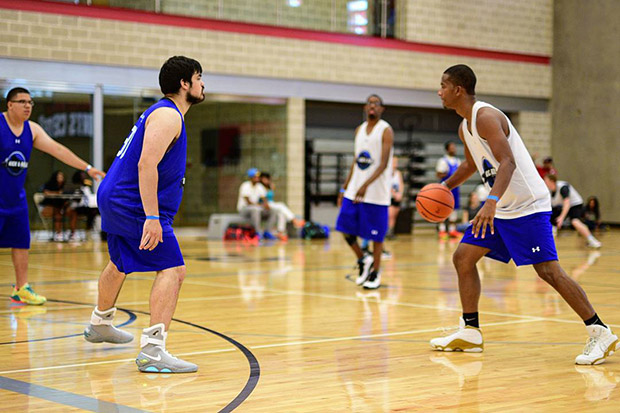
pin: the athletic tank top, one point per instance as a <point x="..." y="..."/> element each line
<point x="14" y="155"/>
<point x="573" y="196"/>
<point x="453" y="164"/>
<point x="368" y="148"/>
<point x="526" y="193"/>
<point x="118" y="195"/>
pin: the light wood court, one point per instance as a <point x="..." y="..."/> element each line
<point x="278" y="328"/>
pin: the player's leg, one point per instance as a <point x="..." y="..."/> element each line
<point x="153" y="356"/>
<point x="373" y="226"/>
<point x="602" y="342"/>
<point x="348" y="223"/>
<point x="465" y="259"/>
<point x="101" y="328"/>
<point x="584" y="231"/>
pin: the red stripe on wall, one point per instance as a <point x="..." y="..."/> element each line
<point x="110" y="13"/>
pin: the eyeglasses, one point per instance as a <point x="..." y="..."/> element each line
<point x="24" y="102"/>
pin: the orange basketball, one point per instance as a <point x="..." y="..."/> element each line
<point x="434" y="202"/>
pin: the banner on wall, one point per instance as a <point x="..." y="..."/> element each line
<point x="67" y="124"/>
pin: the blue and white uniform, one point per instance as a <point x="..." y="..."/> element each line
<point x="14" y="157"/>
<point x="522" y="228"/>
<point x="368" y="219"/>
<point x="448" y="165"/>
<point x="120" y="204"/>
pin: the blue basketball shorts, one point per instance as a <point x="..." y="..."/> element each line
<point x="526" y="240"/>
<point x="369" y="221"/>
<point x="124" y="253"/>
<point x="15" y="230"/>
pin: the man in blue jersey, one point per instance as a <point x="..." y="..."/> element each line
<point x="514" y="223"/>
<point x="18" y="136"/>
<point x="138" y="201"/>
<point x="446" y="166"/>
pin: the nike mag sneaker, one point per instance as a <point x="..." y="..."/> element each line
<point x="154" y="358"/>
<point x="101" y="329"/>
<point x="601" y="344"/>
<point x="364" y="264"/>
<point x="467" y="339"/>
<point x="26" y="295"/>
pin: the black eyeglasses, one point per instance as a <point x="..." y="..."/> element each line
<point x="24" y="102"/>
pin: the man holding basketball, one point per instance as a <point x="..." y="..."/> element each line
<point x="516" y="213"/>
<point x="365" y="197"/>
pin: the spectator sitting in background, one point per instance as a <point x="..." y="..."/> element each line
<point x="473" y="206"/>
<point x="592" y="215"/>
<point x="566" y="201"/>
<point x="282" y="211"/>
<point x="87" y="206"/>
<point x="252" y="203"/>
<point x="55" y="186"/>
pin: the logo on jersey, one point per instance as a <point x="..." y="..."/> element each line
<point x="364" y="160"/>
<point x="15" y="163"/>
<point x="489" y="172"/>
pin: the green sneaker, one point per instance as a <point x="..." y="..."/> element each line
<point x="26" y="295"/>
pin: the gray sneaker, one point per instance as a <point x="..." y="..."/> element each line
<point x="153" y="358"/>
<point x="101" y="329"/>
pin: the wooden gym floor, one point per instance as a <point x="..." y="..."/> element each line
<point x="278" y="328"/>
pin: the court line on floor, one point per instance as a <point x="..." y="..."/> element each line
<point x="63" y="397"/>
<point x="263" y="346"/>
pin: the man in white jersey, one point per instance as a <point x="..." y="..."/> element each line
<point x="366" y="194"/>
<point x="517" y="213"/>
<point x="566" y="202"/>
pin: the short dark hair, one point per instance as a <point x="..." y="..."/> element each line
<point x="15" y="91"/>
<point x="462" y="75"/>
<point x="176" y="69"/>
<point x="447" y="144"/>
<point x="375" y="96"/>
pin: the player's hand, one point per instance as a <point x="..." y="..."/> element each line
<point x="152" y="234"/>
<point x="558" y="222"/>
<point x="483" y="218"/>
<point x="359" y="197"/>
<point x="96" y="174"/>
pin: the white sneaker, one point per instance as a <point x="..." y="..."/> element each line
<point x="374" y="280"/>
<point x="594" y="243"/>
<point x="466" y="338"/>
<point x="601" y="344"/>
<point x="599" y="382"/>
<point x="364" y="263"/>
<point x="58" y="237"/>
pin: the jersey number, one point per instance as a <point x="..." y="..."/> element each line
<point x="123" y="150"/>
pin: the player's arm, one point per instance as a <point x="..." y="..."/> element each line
<point x="387" y="142"/>
<point x="464" y="170"/>
<point x="565" y="192"/>
<point x="162" y="127"/>
<point x="398" y="196"/>
<point x="350" y="174"/>
<point x="494" y="131"/>
<point x="43" y="142"/>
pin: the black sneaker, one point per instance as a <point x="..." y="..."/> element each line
<point x="373" y="281"/>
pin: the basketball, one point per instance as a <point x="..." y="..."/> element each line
<point x="434" y="202"/>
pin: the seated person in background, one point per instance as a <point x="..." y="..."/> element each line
<point x="55" y="186"/>
<point x="283" y="212"/>
<point x="591" y="214"/>
<point x="252" y="203"/>
<point x="87" y="206"/>
<point x="473" y="206"/>
<point x="398" y="186"/>
<point x="566" y="201"/>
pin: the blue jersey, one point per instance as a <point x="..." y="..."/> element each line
<point x="118" y="195"/>
<point x="452" y="167"/>
<point x="14" y="155"/>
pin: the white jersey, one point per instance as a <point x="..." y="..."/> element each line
<point x="254" y="192"/>
<point x="368" y="149"/>
<point x="557" y="199"/>
<point x="526" y="193"/>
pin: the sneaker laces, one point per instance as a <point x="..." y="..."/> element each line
<point x="590" y="344"/>
<point x="446" y="331"/>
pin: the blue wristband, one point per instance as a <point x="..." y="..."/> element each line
<point x="342" y="190"/>
<point x="152" y="217"/>
<point x="493" y="197"/>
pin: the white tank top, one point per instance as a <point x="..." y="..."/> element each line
<point x="368" y="148"/>
<point x="526" y="193"/>
<point x="573" y="196"/>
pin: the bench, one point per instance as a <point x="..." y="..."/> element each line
<point x="219" y="222"/>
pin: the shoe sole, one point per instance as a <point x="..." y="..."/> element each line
<point x="26" y="302"/>
<point x="459" y="345"/>
<point x="98" y="339"/>
<point x="601" y="360"/>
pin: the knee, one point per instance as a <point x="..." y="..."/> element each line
<point x="180" y="273"/>
<point x="350" y="239"/>
<point x="461" y="260"/>
<point x="547" y="272"/>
